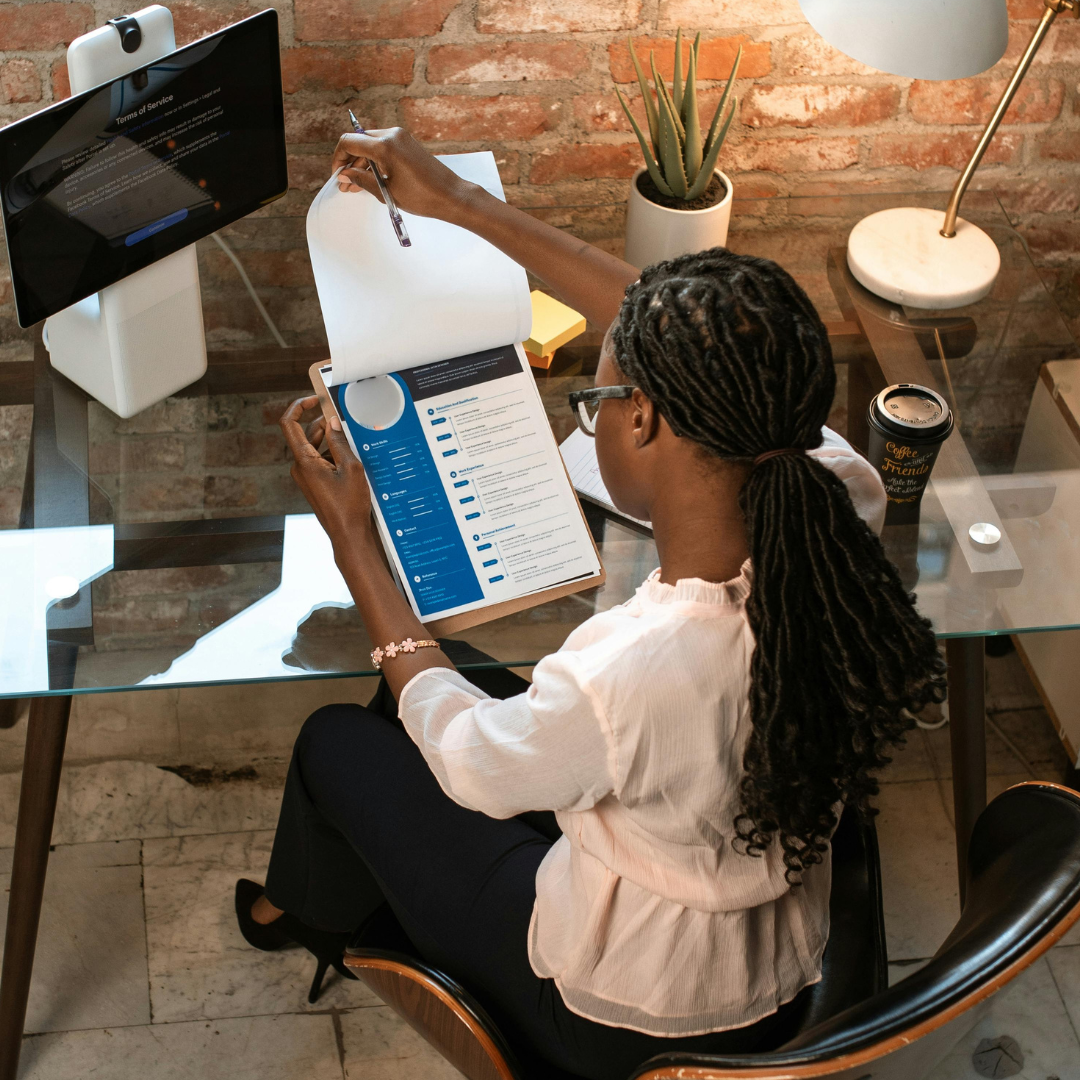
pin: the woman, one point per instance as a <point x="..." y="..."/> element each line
<point x="631" y="855"/>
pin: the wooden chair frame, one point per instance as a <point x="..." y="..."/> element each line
<point x="440" y="1010"/>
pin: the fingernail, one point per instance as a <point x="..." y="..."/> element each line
<point x="335" y="423"/>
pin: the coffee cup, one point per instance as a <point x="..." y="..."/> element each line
<point x="908" y="423"/>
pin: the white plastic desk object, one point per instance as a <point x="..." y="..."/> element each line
<point x="140" y="340"/>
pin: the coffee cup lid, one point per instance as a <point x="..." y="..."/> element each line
<point x="910" y="409"/>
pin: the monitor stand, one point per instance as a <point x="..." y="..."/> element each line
<point x="138" y="341"/>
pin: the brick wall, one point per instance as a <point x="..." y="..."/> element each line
<point x="532" y="80"/>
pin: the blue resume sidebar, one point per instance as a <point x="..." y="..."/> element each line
<point x="415" y="508"/>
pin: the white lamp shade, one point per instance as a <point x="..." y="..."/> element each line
<point x="920" y="39"/>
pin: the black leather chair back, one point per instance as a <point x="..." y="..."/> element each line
<point x="1023" y="894"/>
<point x="854" y="966"/>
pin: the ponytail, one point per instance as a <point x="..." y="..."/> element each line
<point x="735" y="357"/>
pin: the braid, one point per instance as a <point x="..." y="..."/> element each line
<point x="735" y="357"/>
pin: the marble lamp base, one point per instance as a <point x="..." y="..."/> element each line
<point x="901" y="255"/>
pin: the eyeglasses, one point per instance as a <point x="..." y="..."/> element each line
<point x="586" y="404"/>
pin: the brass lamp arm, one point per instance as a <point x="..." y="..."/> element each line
<point x="1053" y="9"/>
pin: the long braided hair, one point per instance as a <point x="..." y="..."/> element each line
<point x="734" y="356"/>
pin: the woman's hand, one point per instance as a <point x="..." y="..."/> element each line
<point x="419" y="182"/>
<point x="337" y="489"/>
<point x="339" y="495"/>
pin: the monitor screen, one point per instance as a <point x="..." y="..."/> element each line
<point x="107" y="182"/>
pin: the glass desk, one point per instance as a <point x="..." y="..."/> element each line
<point x="173" y="549"/>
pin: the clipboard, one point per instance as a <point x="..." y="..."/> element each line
<point x="452" y="624"/>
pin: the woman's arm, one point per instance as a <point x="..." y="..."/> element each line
<point x="543" y="751"/>
<point x="338" y="493"/>
<point x="546" y="749"/>
<point x="585" y="277"/>
<point x="337" y="489"/>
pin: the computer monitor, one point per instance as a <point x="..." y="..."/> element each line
<point x="101" y="185"/>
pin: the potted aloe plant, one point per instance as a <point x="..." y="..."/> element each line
<point x="680" y="201"/>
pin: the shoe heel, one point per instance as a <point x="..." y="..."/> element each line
<point x="316" y="983"/>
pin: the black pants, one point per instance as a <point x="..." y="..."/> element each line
<point x="363" y="820"/>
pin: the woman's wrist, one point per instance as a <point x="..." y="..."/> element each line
<point x="360" y="546"/>
<point x="472" y="207"/>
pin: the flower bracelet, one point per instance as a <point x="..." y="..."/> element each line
<point x="395" y="647"/>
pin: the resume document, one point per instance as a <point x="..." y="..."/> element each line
<point x="470" y="493"/>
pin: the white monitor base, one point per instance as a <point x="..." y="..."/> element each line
<point x="901" y="255"/>
<point x="138" y="341"/>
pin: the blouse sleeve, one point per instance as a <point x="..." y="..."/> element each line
<point x="859" y="477"/>
<point x="547" y="749"/>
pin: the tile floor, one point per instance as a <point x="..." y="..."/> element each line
<point x="142" y="973"/>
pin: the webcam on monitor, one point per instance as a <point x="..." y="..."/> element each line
<point x="104" y="194"/>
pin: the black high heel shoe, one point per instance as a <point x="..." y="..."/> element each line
<point x="326" y="946"/>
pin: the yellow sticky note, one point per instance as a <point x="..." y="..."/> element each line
<point x="553" y="324"/>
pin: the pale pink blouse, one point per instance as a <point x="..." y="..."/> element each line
<point x="633" y="733"/>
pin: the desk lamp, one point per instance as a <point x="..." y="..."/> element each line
<point x="913" y="255"/>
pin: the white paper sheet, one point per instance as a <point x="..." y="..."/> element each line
<point x="389" y="308"/>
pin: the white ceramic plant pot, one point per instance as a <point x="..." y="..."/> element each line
<point x="655" y="233"/>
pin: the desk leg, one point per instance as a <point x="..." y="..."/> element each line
<point x="9" y="712"/>
<point x="46" y="734"/>
<point x="860" y="392"/>
<point x="967" y="730"/>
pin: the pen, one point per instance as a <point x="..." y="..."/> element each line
<point x="391" y="206"/>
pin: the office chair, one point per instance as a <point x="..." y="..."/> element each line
<point x="1023" y="894"/>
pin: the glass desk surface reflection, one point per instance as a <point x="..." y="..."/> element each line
<point x="173" y="549"/>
